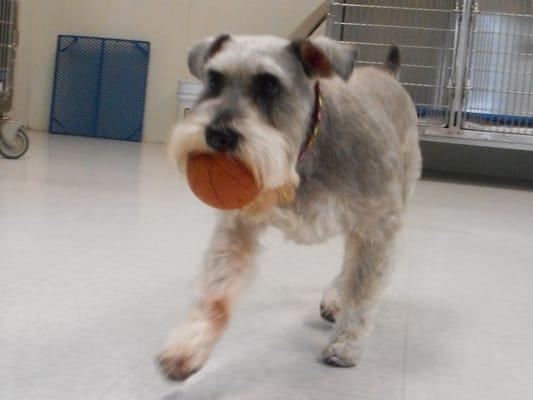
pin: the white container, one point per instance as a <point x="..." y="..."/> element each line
<point x="188" y="93"/>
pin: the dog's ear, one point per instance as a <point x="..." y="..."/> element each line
<point x="203" y="51"/>
<point x="322" y="57"/>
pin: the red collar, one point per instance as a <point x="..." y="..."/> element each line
<point x="314" y="127"/>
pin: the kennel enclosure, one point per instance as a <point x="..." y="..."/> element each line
<point x="467" y="64"/>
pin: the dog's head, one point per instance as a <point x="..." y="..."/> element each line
<point x="258" y="100"/>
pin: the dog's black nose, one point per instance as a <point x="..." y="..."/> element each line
<point x="221" y="139"/>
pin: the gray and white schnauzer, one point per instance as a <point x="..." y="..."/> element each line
<point x="335" y="151"/>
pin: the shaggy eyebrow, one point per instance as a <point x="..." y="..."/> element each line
<point x="262" y="65"/>
<point x="277" y="72"/>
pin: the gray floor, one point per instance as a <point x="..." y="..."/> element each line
<point x="100" y="242"/>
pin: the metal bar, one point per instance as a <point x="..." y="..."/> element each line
<point x="486" y="57"/>
<point x="433" y="105"/>
<point x="437" y="10"/>
<point x="403" y="46"/>
<point x="54" y="91"/>
<point x="504" y="53"/>
<point x="370" y="62"/>
<point x="451" y="80"/>
<point x="443" y="71"/>
<point x="515" y="113"/>
<point x="329" y="21"/>
<point x="503" y="34"/>
<point x="8" y="18"/>
<point x="508" y="76"/>
<point x="480" y="79"/>
<point x="98" y="96"/>
<point x="332" y="30"/>
<point x="498" y="71"/>
<point x="502" y="14"/>
<point x="529" y="98"/>
<point x="394" y="26"/>
<point x="510" y="41"/>
<point x="460" y="67"/>
<point x="470" y="45"/>
<point x="421" y="85"/>
<point x="521" y="97"/>
<point x="4" y="53"/>
<point x="404" y="65"/>
<point x="342" y="19"/>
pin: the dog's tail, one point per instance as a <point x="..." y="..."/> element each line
<point x="393" y="62"/>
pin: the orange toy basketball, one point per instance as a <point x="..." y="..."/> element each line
<point x="221" y="181"/>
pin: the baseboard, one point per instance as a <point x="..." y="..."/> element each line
<point x="488" y="164"/>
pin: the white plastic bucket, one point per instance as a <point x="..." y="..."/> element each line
<point x="188" y="93"/>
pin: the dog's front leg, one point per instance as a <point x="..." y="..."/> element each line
<point x="228" y="262"/>
<point x="365" y="267"/>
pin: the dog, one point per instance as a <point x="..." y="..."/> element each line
<point x="335" y="151"/>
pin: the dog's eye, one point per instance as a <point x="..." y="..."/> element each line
<point x="266" y="85"/>
<point x="215" y="82"/>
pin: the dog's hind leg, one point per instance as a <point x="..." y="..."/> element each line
<point x="228" y="263"/>
<point x="365" y="267"/>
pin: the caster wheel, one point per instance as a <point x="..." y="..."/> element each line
<point x="16" y="149"/>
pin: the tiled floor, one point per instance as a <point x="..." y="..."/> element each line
<point x="100" y="242"/>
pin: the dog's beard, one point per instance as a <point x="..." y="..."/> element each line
<point x="263" y="149"/>
<point x="188" y="138"/>
<point x="267" y="153"/>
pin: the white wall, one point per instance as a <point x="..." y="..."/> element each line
<point x="170" y="25"/>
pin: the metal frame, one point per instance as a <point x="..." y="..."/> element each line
<point x="8" y="43"/>
<point x="14" y="141"/>
<point x="459" y="78"/>
<point x="458" y="124"/>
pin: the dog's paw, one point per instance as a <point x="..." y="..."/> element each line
<point x="327" y="313"/>
<point x="187" y="352"/>
<point x="330" y="305"/>
<point x="342" y="353"/>
<point x="178" y="364"/>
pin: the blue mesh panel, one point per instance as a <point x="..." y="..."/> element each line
<point x="76" y="86"/>
<point x="100" y="87"/>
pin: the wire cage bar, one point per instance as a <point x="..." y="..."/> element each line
<point x="468" y="64"/>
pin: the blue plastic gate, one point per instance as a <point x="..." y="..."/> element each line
<point x="100" y="87"/>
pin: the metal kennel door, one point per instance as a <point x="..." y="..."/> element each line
<point x="499" y="98"/>
<point x="467" y="64"/>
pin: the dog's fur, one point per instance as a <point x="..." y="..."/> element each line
<point x="354" y="181"/>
